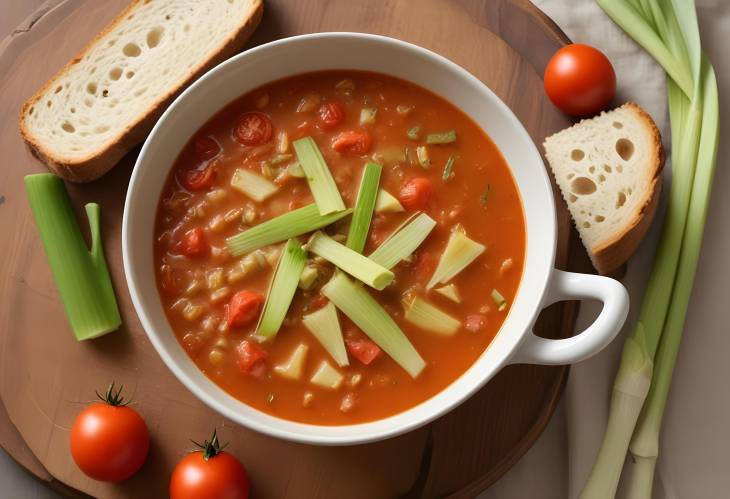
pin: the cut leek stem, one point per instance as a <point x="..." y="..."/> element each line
<point x="426" y="316"/>
<point x="320" y="180"/>
<point x="403" y="241"/>
<point x="459" y="253"/>
<point x="80" y="274"/>
<point x="423" y="158"/>
<point x="448" y="169"/>
<point x="252" y="185"/>
<point x="414" y="132"/>
<point x="325" y="326"/>
<point x="367" y="314"/>
<point x="499" y="300"/>
<point x="278" y="229"/>
<point x="441" y="138"/>
<point x="292" y="368"/>
<point x="387" y="203"/>
<point x="327" y="376"/>
<point x="450" y="291"/>
<point x="281" y="290"/>
<point x="350" y="261"/>
<point x="364" y="205"/>
<point x="367" y="115"/>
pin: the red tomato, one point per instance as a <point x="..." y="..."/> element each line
<point x="416" y="194"/>
<point x="580" y="80"/>
<point x="198" y="180"/>
<point x="425" y="266"/>
<point x="475" y="322"/>
<point x="243" y="308"/>
<point x="209" y="473"/>
<point x="251" y="357"/>
<point x="109" y="441"/>
<point x="331" y="114"/>
<point x="354" y="142"/>
<point x="318" y="302"/>
<point x="206" y="148"/>
<point x="363" y="350"/>
<point x="254" y="128"/>
<point x="194" y="243"/>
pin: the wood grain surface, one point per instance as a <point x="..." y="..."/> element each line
<point x="46" y="376"/>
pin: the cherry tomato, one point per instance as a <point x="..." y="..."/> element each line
<point x="209" y="473"/>
<point x="109" y="440"/>
<point x="194" y="243"/>
<point x="363" y="350"/>
<point x="331" y="114"/>
<point x="198" y="180"/>
<point x="253" y="129"/>
<point x="416" y="194"/>
<point x="206" y="148"/>
<point x="251" y="358"/>
<point x="244" y="308"/>
<point x="580" y="80"/>
<point x="354" y="142"/>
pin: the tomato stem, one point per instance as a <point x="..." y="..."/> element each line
<point x="210" y="448"/>
<point x="114" y="398"/>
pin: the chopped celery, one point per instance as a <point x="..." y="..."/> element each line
<point x="367" y="314"/>
<point x="441" y="137"/>
<point x="403" y="241"/>
<point x="252" y="185"/>
<point x="281" y="290"/>
<point x="367" y="115"/>
<point x="387" y="203"/>
<point x="320" y="180"/>
<point x="450" y="291"/>
<point x="325" y="326"/>
<point x="459" y="253"/>
<point x="363" y="213"/>
<point x="309" y="276"/>
<point x="291" y="224"/>
<point x="426" y="316"/>
<point x="414" y="132"/>
<point x="294" y="365"/>
<point x="80" y="274"/>
<point x="327" y="376"/>
<point x="423" y="158"/>
<point x="448" y="169"/>
<point x="499" y="300"/>
<point x="350" y="261"/>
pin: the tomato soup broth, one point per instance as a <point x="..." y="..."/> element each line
<point x="213" y="299"/>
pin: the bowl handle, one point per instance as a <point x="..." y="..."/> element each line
<point x="571" y="286"/>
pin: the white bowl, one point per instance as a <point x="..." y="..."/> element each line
<point x="541" y="284"/>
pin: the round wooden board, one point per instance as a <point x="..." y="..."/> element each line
<point x="46" y="376"/>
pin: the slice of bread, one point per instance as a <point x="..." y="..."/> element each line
<point x="105" y="100"/>
<point x="609" y="171"/>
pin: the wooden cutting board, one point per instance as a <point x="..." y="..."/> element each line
<point x="46" y="377"/>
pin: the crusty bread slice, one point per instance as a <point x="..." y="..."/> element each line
<point x="609" y="171"/>
<point x="107" y="98"/>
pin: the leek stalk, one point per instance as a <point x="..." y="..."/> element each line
<point x="320" y="180"/>
<point x="325" y="326"/>
<point x="403" y="241"/>
<point x="364" y="205"/>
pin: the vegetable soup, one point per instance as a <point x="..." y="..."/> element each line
<point x="337" y="247"/>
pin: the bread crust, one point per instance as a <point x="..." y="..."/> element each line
<point x="617" y="249"/>
<point x="101" y="161"/>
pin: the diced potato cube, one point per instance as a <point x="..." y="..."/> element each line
<point x="217" y="223"/>
<point x="217" y="195"/>
<point x="450" y="291"/>
<point x="387" y="203"/>
<point x="307" y="399"/>
<point x="327" y="376"/>
<point x="309" y="276"/>
<point x="292" y="368"/>
<point x="192" y="312"/>
<point x="214" y="278"/>
<point x="220" y="294"/>
<point x="216" y="357"/>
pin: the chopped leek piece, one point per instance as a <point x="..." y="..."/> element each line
<point x="345" y="85"/>
<point x="448" y="169"/>
<point x="363" y="213"/>
<point x="422" y="155"/>
<point x="294" y="365"/>
<point x="281" y="290"/>
<point x="309" y="276"/>
<point x="282" y="142"/>
<point x="387" y="203"/>
<point x="80" y="274"/>
<point x="325" y="326"/>
<point x="367" y="115"/>
<point x="327" y="376"/>
<point x="252" y="185"/>
<point x="320" y="180"/>
<point x="403" y="241"/>
<point x="350" y="261"/>
<point x="403" y="109"/>
<point x="390" y="155"/>
<point x="426" y="316"/>
<point x="441" y="138"/>
<point x="499" y="300"/>
<point x="367" y="314"/>
<point x="278" y="159"/>
<point x="450" y="291"/>
<point x="291" y="224"/>
<point x="459" y="253"/>
<point x="295" y="170"/>
<point x="414" y="132"/>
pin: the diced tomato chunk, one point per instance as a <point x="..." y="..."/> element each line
<point x="206" y="148"/>
<point x="416" y="193"/>
<point x="251" y="358"/>
<point x="475" y="322"/>
<point x="244" y="308"/>
<point x="425" y="266"/>
<point x="318" y="302"/>
<point x="354" y="142"/>
<point x="363" y="350"/>
<point x="331" y="114"/>
<point x="198" y="180"/>
<point x="253" y="129"/>
<point x="194" y="243"/>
